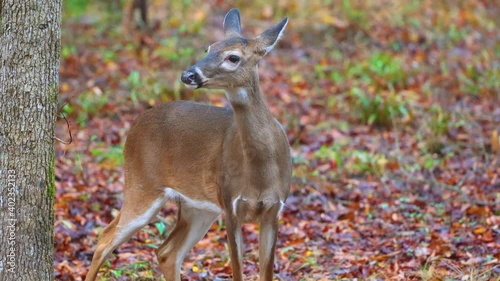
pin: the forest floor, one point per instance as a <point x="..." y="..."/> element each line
<point x="392" y="112"/>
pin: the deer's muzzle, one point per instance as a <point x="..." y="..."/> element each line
<point x="191" y="78"/>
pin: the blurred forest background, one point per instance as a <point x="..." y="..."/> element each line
<point x="392" y="109"/>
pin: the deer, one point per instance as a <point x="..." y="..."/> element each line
<point x="209" y="160"/>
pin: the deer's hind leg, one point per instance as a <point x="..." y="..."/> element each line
<point x="130" y="219"/>
<point x="191" y="226"/>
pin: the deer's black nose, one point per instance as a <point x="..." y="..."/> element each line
<point x="190" y="77"/>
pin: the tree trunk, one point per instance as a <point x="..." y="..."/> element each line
<point x="135" y="15"/>
<point x="30" y="35"/>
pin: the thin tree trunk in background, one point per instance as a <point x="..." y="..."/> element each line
<point x="142" y="6"/>
<point x="135" y="14"/>
<point x="29" y="75"/>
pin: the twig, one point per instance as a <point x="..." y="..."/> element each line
<point x="69" y="130"/>
<point x="67" y="122"/>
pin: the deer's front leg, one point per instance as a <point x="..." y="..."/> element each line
<point x="267" y="241"/>
<point x="235" y="241"/>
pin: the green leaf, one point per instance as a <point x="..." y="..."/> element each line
<point x="160" y="226"/>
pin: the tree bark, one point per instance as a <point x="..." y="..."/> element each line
<point x="30" y="35"/>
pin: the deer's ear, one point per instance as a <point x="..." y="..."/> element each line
<point x="268" y="39"/>
<point x="232" y="23"/>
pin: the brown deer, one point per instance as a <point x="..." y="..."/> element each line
<point x="210" y="160"/>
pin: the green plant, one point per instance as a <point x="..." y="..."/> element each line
<point x="387" y="68"/>
<point x="379" y="110"/>
<point x="172" y="50"/>
<point x="142" y="270"/>
<point x="475" y="82"/>
<point x="90" y="103"/>
<point x="135" y="83"/>
<point x="112" y="155"/>
<point x="68" y="50"/>
<point x="362" y="162"/>
<point x="354" y="15"/>
<point x="430" y="161"/>
<point x="148" y="89"/>
<point x="438" y="125"/>
<point x="381" y="70"/>
<point x="440" y="121"/>
<point x="456" y="34"/>
<point x="330" y="153"/>
<point x="75" y="8"/>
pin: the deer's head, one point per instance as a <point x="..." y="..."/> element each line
<point x="231" y="62"/>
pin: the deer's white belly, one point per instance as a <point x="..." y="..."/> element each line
<point x="172" y="194"/>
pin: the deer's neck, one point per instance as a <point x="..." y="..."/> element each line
<point x="253" y="118"/>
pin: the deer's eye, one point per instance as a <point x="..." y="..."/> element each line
<point x="233" y="58"/>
